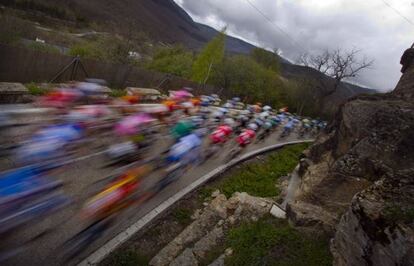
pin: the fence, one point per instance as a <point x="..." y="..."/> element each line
<point x="25" y="65"/>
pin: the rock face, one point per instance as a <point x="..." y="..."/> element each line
<point x="378" y="228"/>
<point x="358" y="180"/>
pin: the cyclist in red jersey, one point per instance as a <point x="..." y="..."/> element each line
<point x="246" y="137"/>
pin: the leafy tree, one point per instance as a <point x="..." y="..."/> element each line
<point x="266" y="58"/>
<point x="210" y="56"/>
<point x="174" y="60"/>
<point x="243" y="76"/>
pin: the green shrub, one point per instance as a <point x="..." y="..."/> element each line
<point x="36" y="90"/>
<point x="175" y="60"/>
<point x="116" y="93"/>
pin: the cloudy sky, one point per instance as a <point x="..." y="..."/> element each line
<point x="378" y="29"/>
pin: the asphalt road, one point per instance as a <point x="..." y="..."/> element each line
<point x="81" y="180"/>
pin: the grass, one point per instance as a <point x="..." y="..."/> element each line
<point x="259" y="178"/>
<point x="213" y="254"/>
<point x="182" y="215"/>
<point x="271" y="241"/>
<point x="36" y="90"/>
<point x="128" y="258"/>
<point x="37" y="46"/>
<point x="205" y="193"/>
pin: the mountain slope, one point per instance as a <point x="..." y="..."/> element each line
<point x="165" y="21"/>
<point x="162" y="20"/>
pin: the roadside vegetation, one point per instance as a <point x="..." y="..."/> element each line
<point x="35" y="89"/>
<point x="258" y="178"/>
<point x="271" y="241"/>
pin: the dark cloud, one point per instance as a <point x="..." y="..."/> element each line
<point x="315" y="25"/>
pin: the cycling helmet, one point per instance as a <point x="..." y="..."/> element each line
<point x="224" y="110"/>
<point x="229" y="121"/>
<point x="267" y="108"/>
<point x="252" y="126"/>
<point x="205" y="103"/>
<point x="264" y="115"/>
<point x="258" y="122"/>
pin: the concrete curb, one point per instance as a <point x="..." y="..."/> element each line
<point x="122" y="237"/>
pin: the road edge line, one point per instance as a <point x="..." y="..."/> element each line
<point x="101" y="253"/>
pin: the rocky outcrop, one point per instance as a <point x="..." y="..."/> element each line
<point x="378" y="228"/>
<point x="404" y="87"/>
<point x="357" y="180"/>
<point x="209" y="227"/>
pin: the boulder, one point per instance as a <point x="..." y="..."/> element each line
<point x="186" y="258"/>
<point x="277" y="212"/>
<point x="309" y="215"/>
<point x="248" y="204"/>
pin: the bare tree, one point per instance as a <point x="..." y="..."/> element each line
<point x="345" y="65"/>
<point x="338" y="64"/>
<point x="319" y="62"/>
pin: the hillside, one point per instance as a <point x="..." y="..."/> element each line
<point x="164" y="21"/>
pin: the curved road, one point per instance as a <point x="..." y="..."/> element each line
<point x="80" y="182"/>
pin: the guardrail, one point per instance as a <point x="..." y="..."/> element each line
<point x="122" y="237"/>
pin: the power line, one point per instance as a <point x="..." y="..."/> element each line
<point x="292" y="40"/>
<point x="398" y="12"/>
